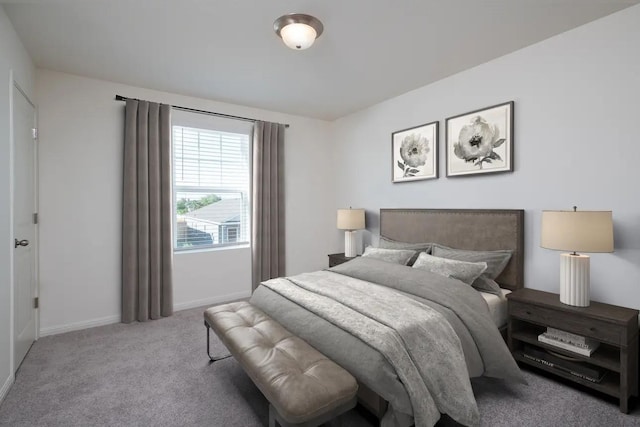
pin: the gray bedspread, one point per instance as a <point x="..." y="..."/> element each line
<point x="415" y="339"/>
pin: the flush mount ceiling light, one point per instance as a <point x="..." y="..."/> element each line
<point x="297" y="30"/>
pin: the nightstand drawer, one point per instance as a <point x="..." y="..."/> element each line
<point x="570" y="322"/>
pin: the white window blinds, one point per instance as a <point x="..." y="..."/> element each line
<point x="211" y="186"/>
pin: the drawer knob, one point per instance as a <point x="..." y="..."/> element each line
<point x="592" y="329"/>
<point x="528" y="312"/>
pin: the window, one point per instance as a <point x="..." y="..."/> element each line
<point x="211" y="182"/>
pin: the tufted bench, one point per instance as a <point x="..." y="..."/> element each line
<point x="303" y="387"/>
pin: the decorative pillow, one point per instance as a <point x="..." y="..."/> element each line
<point x="496" y="260"/>
<point x="396" y="256"/>
<point x="464" y="271"/>
<point x="385" y="243"/>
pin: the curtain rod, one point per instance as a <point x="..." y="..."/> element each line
<point x="193" y="110"/>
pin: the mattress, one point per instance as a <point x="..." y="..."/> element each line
<point x="497" y="307"/>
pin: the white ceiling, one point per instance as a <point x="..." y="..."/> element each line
<point x="371" y="50"/>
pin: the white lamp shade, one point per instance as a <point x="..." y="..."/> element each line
<point x="578" y="231"/>
<point x="350" y="219"/>
<point x="298" y="36"/>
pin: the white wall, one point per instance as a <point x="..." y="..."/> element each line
<point x="81" y="132"/>
<point x="577" y="110"/>
<point x="14" y="57"/>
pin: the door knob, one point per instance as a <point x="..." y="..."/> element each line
<point x="21" y="243"/>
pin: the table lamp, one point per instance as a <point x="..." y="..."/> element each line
<point x="576" y="231"/>
<point x="350" y="220"/>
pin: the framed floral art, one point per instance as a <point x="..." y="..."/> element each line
<point x="480" y="141"/>
<point x="414" y="153"/>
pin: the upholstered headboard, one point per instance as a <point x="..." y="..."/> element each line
<point x="472" y="229"/>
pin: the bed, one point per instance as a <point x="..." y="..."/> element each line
<point x="384" y="389"/>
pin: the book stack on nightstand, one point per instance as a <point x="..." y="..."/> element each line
<point x="563" y="364"/>
<point x="595" y="346"/>
<point x="567" y="341"/>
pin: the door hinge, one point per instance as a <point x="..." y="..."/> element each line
<point x="36" y="302"/>
<point x="34" y="133"/>
<point x="35" y="218"/>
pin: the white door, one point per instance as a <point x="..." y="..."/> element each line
<point x="24" y="233"/>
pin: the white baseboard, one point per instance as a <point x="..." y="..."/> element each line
<point x="61" y="329"/>
<point x="211" y="301"/>
<point x="5" y="387"/>
<point x="109" y="320"/>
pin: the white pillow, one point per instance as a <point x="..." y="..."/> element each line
<point x="464" y="271"/>
<point x="396" y="256"/>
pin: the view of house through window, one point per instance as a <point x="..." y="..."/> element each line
<point x="211" y="185"/>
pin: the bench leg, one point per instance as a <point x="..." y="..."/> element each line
<point x="212" y="358"/>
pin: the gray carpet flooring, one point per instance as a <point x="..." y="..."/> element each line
<point x="158" y="374"/>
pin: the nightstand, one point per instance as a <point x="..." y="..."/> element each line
<point x="615" y="328"/>
<point x="336" y="259"/>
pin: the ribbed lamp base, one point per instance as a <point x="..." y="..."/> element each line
<point x="574" y="280"/>
<point x="350" y="249"/>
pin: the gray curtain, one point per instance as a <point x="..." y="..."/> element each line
<point x="267" y="243"/>
<point x="147" y="253"/>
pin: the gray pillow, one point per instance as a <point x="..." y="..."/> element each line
<point x="386" y="243"/>
<point x="496" y="260"/>
<point x="464" y="271"/>
<point x="484" y="284"/>
<point x="396" y="256"/>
